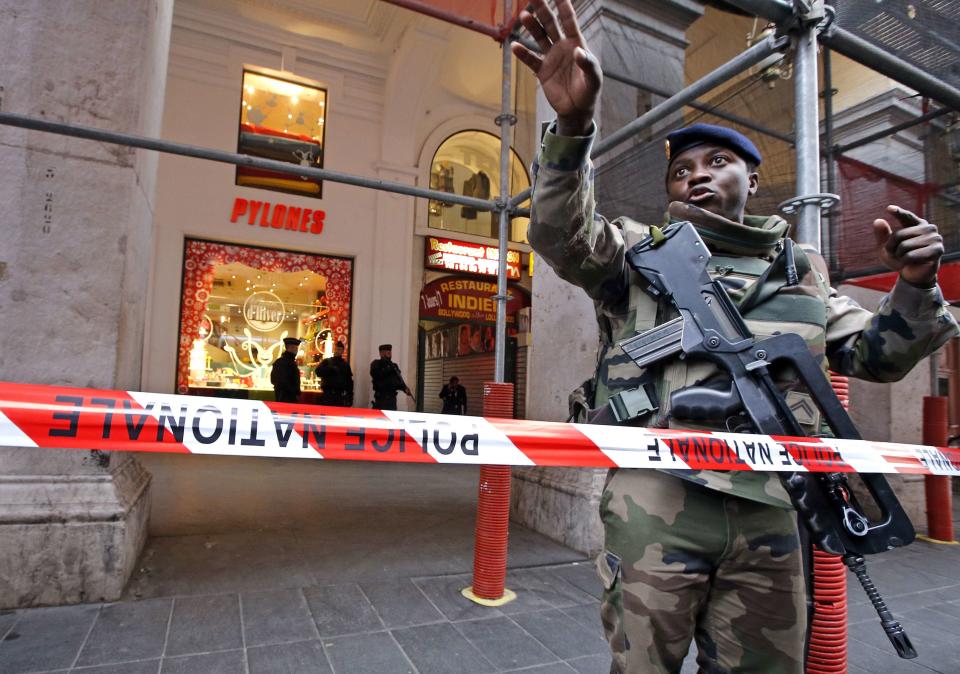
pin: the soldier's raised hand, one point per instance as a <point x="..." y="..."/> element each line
<point x="568" y="73"/>
<point x="909" y="244"/>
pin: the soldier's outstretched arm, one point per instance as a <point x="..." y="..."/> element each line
<point x="911" y="322"/>
<point x="580" y="246"/>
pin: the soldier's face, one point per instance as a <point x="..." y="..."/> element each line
<point x="714" y="178"/>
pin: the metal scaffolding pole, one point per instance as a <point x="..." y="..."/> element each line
<point x="866" y="140"/>
<point x="754" y="55"/>
<point x="861" y="51"/>
<point x="778" y="11"/>
<point x="769" y="48"/>
<point x="703" y="107"/>
<point x="184" y="150"/>
<point x="858" y="49"/>
<point x="807" y="134"/>
<point x="505" y="120"/>
<point x="448" y="16"/>
<point x="830" y="245"/>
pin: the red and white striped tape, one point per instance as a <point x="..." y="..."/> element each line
<point x="78" y="418"/>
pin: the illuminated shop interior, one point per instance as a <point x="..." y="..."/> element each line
<point x="468" y="163"/>
<point x="248" y="314"/>
<point x="282" y="120"/>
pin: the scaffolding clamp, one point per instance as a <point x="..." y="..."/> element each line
<point x="809" y="11"/>
<point x="824" y="200"/>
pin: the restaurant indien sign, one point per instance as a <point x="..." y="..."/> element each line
<point x="460" y="298"/>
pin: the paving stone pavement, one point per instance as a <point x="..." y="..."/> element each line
<point x="423" y="625"/>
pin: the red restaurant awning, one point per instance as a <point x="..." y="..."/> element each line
<point x="949" y="279"/>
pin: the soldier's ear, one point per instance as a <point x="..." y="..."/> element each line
<point x="753" y="180"/>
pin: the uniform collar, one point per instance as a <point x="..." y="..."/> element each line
<point x="756" y="236"/>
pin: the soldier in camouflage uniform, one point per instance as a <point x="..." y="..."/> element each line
<point x="707" y="555"/>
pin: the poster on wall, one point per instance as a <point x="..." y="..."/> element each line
<point x="454" y="341"/>
<point x="237" y="305"/>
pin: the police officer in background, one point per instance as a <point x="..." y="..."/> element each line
<point x="706" y="555"/>
<point x="285" y="375"/>
<point x="387" y="380"/>
<point x="337" y="379"/>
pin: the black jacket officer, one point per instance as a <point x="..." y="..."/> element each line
<point x="285" y="375"/>
<point x="387" y="380"/>
<point x="337" y="378"/>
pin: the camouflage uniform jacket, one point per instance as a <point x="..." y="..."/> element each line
<point x="587" y="250"/>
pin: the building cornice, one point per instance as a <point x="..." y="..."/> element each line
<point x="372" y="59"/>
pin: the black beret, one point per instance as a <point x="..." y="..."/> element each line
<point x="294" y="341"/>
<point x="386" y="347"/>
<point x="697" y="134"/>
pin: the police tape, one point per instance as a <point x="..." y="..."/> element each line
<point x="131" y="421"/>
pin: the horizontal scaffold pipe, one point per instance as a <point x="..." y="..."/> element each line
<point x="755" y="55"/>
<point x="450" y="17"/>
<point x="703" y="107"/>
<point x="866" y="140"/>
<point x="663" y="93"/>
<point x="863" y="52"/>
<point x="777" y="11"/>
<point x="856" y="48"/>
<point x="519" y="198"/>
<point x="169" y="147"/>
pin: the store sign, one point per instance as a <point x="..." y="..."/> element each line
<point x="472" y="258"/>
<point x="263" y="311"/>
<point x="278" y="216"/>
<point x="465" y="299"/>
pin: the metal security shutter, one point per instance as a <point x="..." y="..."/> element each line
<point x="432" y="383"/>
<point x="520" y="385"/>
<point x="473" y="371"/>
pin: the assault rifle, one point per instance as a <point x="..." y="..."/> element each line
<point x="673" y="262"/>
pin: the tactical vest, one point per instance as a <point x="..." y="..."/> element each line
<point x="768" y="305"/>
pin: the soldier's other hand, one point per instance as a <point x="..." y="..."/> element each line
<point x="909" y="244"/>
<point x="569" y="74"/>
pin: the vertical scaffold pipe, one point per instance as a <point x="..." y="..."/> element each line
<point x="505" y="120"/>
<point x="827" y="653"/>
<point x="493" y="514"/>
<point x="937" y="487"/>
<point x="807" y="137"/>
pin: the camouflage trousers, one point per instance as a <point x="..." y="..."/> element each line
<point x="684" y="562"/>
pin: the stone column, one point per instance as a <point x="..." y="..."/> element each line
<point x="642" y="39"/>
<point x="76" y="251"/>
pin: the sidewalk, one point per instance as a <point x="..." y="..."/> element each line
<point x="252" y="603"/>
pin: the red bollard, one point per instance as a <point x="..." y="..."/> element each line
<point x="493" y="514"/>
<point x="827" y="653"/>
<point x="937" y="487"/>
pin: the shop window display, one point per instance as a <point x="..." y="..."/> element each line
<point x="468" y="163"/>
<point x="283" y="120"/>
<point x="239" y="302"/>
